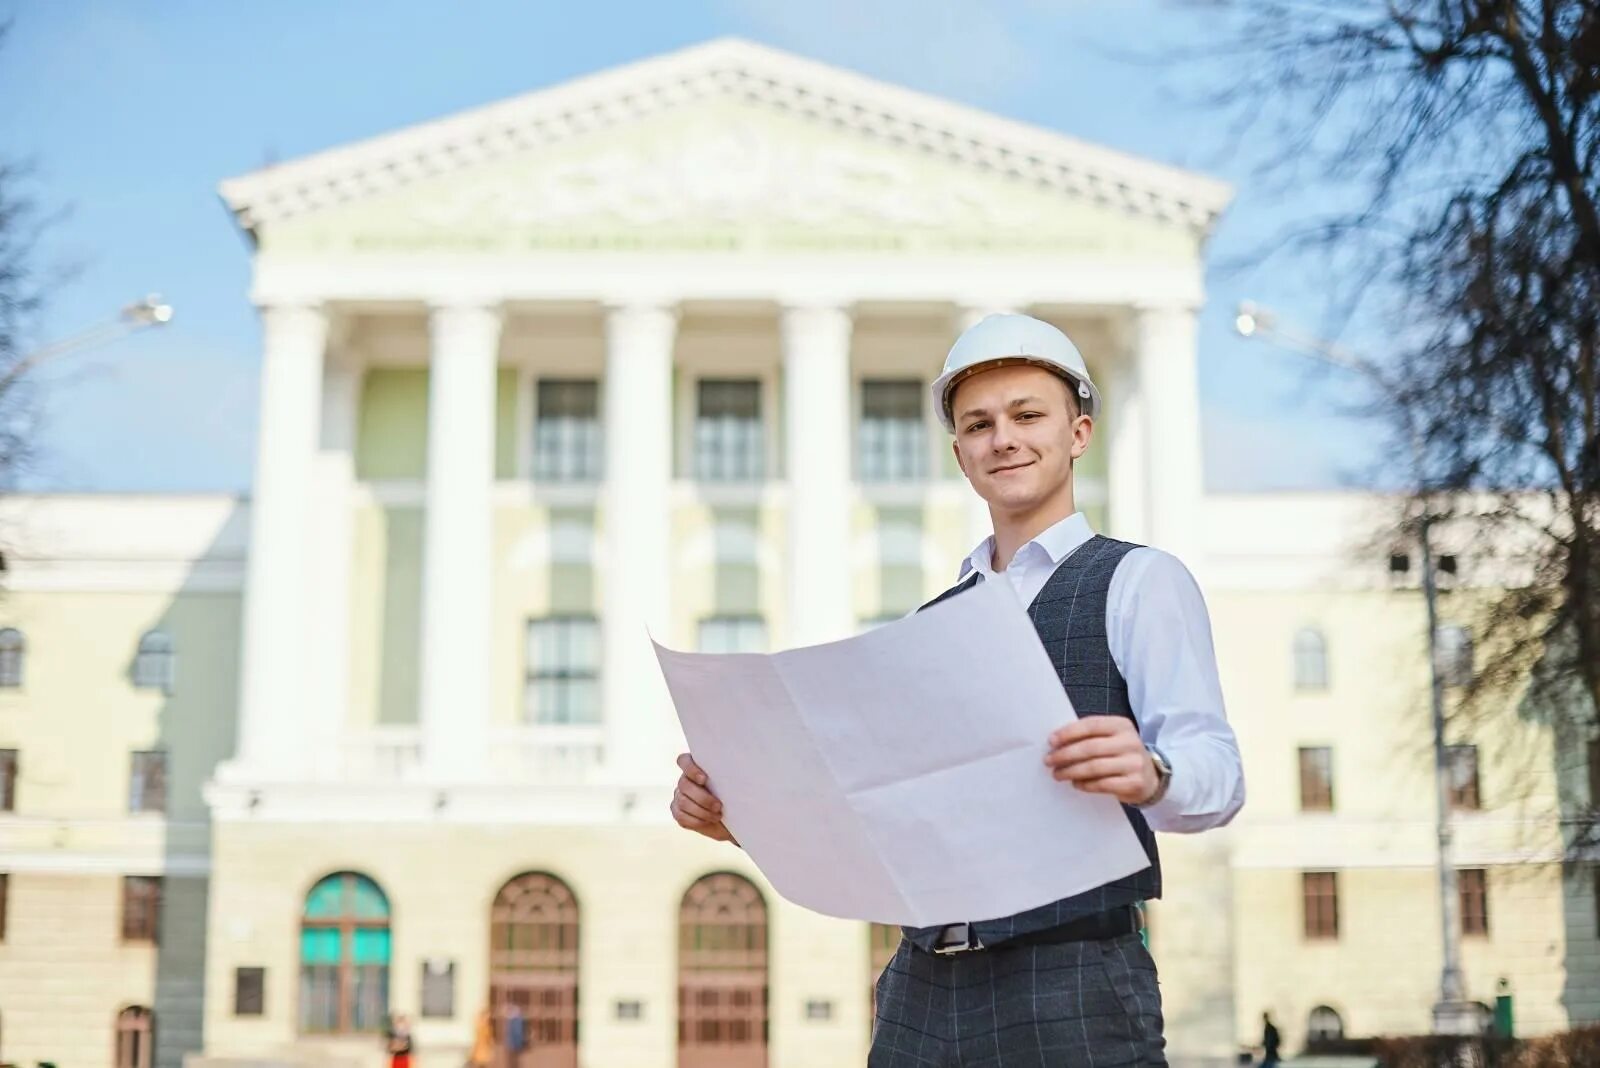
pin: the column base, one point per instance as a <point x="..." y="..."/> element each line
<point x="1457" y="1018"/>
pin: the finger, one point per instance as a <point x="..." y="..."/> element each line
<point x="700" y="796"/>
<point x="1122" y="787"/>
<point x="696" y="810"/>
<point x="1089" y="748"/>
<point x="690" y="769"/>
<point x="687" y="820"/>
<point x="1089" y="727"/>
<point x="1099" y="768"/>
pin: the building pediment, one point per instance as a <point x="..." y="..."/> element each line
<point x="728" y="146"/>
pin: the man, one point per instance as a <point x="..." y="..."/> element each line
<point x="1069" y="983"/>
<point x="1271" y="1042"/>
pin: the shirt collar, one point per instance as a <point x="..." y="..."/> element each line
<point x="1057" y="541"/>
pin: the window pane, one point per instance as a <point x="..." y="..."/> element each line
<point x="1320" y="903"/>
<point x="438" y="988"/>
<point x="562" y="683"/>
<point x="8" y="780"/>
<point x="249" y="991"/>
<point x="567" y="431"/>
<point x="1462" y="768"/>
<point x="1472" y="887"/>
<point x="728" y="431"/>
<point x="892" y="443"/>
<point x="1310" y="660"/>
<point x="733" y="634"/>
<point x="147" y="785"/>
<point x="11" y="650"/>
<point x="1316" y="779"/>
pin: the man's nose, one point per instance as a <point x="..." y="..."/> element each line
<point x="1004" y="438"/>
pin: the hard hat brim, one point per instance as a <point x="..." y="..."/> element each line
<point x="944" y="388"/>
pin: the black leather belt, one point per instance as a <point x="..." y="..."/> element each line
<point x="1113" y="923"/>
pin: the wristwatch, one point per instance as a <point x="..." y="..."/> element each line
<point x="1163" y="776"/>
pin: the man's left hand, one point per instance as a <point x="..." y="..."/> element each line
<point x="1104" y="755"/>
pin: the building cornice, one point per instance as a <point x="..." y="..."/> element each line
<point x="728" y="68"/>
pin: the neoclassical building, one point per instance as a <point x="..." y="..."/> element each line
<point x="647" y="353"/>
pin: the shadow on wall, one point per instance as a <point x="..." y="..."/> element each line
<point x="190" y="651"/>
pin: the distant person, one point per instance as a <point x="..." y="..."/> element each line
<point x="399" y="1042"/>
<point x="482" y="1040"/>
<point x="1270" y="1041"/>
<point x="516" y="1032"/>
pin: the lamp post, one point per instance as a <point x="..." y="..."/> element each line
<point x="141" y="314"/>
<point x="1452" y="1013"/>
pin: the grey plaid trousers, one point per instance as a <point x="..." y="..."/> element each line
<point x="1072" y="1005"/>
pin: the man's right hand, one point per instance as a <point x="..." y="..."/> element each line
<point x="694" y="806"/>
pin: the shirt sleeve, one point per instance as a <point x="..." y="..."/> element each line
<point x="1160" y="637"/>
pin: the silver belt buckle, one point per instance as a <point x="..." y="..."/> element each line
<point x="967" y="944"/>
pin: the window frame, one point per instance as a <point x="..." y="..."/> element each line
<point x="1309" y="651"/>
<point x="586" y="465"/>
<point x="10" y="762"/>
<point x="1472" y="901"/>
<point x="533" y="673"/>
<point x="155" y="668"/>
<point x="141" y="909"/>
<point x="753" y="464"/>
<point x="259" y="975"/>
<point x="1319" y="906"/>
<point x="1466" y="797"/>
<point x="904" y="453"/>
<point x="1311" y="801"/>
<point x="139" y="786"/>
<point x="13" y="658"/>
<point x="737" y="621"/>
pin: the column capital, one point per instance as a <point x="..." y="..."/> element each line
<point x="642" y="314"/>
<point x="816" y="322"/>
<point x="294" y="318"/>
<point x="466" y="314"/>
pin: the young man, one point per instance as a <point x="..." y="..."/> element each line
<point x="1069" y="983"/>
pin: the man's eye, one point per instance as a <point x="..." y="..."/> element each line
<point x="1029" y="415"/>
<point x="977" y="426"/>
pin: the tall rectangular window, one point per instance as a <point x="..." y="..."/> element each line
<point x="147" y="782"/>
<point x="563" y="677"/>
<point x="1316" y="779"/>
<point x="733" y="634"/>
<point x="1319" y="894"/>
<point x="728" y="438"/>
<point x="1461" y="766"/>
<point x="249" y="991"/>
<point x="8" y="780"/>
<point x="567" y="434"/>
<point x="892" y="444"/>
<point x="5" y="903"/>
<point x="1472" y="888"/>
<point x="141" y="908"/>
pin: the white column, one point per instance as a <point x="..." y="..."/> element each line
<point x="979" y="523"/>
<point x="1125" y="426"/>
<point x="816" y="367"/>
<point x="457" y="542"/>
<point x="1166" y="346"/>
<point x="272" y="692"/>
<point x="641" y="731"/>
<point x="328" y="623"/>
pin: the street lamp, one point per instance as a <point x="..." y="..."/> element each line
<point x="1452" y="1014"/>
<point x="146" y="312"/>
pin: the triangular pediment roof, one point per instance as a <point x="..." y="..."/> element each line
<point x="747" y="72"/>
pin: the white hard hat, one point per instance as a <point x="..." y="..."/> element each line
<point x="999" y="340"/>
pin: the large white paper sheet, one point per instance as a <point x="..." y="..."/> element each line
<point x="898" y="776"/>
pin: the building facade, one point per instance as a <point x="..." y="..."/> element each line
<point x="648" y="353"/>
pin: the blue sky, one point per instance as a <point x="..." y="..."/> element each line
<point x="134" y="112"/>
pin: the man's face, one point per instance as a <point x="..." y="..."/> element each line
<point x="1017" y="432"/>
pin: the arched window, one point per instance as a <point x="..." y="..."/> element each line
<point x="1310" y="660"/>
<point x="533" y="966"/>
<point x="136" y="1037"/>
<point x="153" y="666"/>
<point x="344" y="956"/>
<point x="1324" y="1026"/>
<point x="12" y="647"/>
<point x="722" y="974"/>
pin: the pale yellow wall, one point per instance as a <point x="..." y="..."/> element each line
<point x="385" y="614"/>
<point x="77" y="716"/>
<point x="441" y="881"/>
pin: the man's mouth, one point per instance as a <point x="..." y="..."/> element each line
<point x="1010" y="467"/>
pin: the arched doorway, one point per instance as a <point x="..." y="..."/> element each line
<point x="533" y="973"/>
<point x="344" y="957"/>
<point x="722" y="974"/>
<point x="136" y="1038"/>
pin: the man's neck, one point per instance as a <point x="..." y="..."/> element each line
<point x="1014" y="530"/>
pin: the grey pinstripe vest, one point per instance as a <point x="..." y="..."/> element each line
<point x="1070" y="616"/>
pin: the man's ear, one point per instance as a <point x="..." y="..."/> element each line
<point x="1082" y="433"/>
<point x="955" y="448"/>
